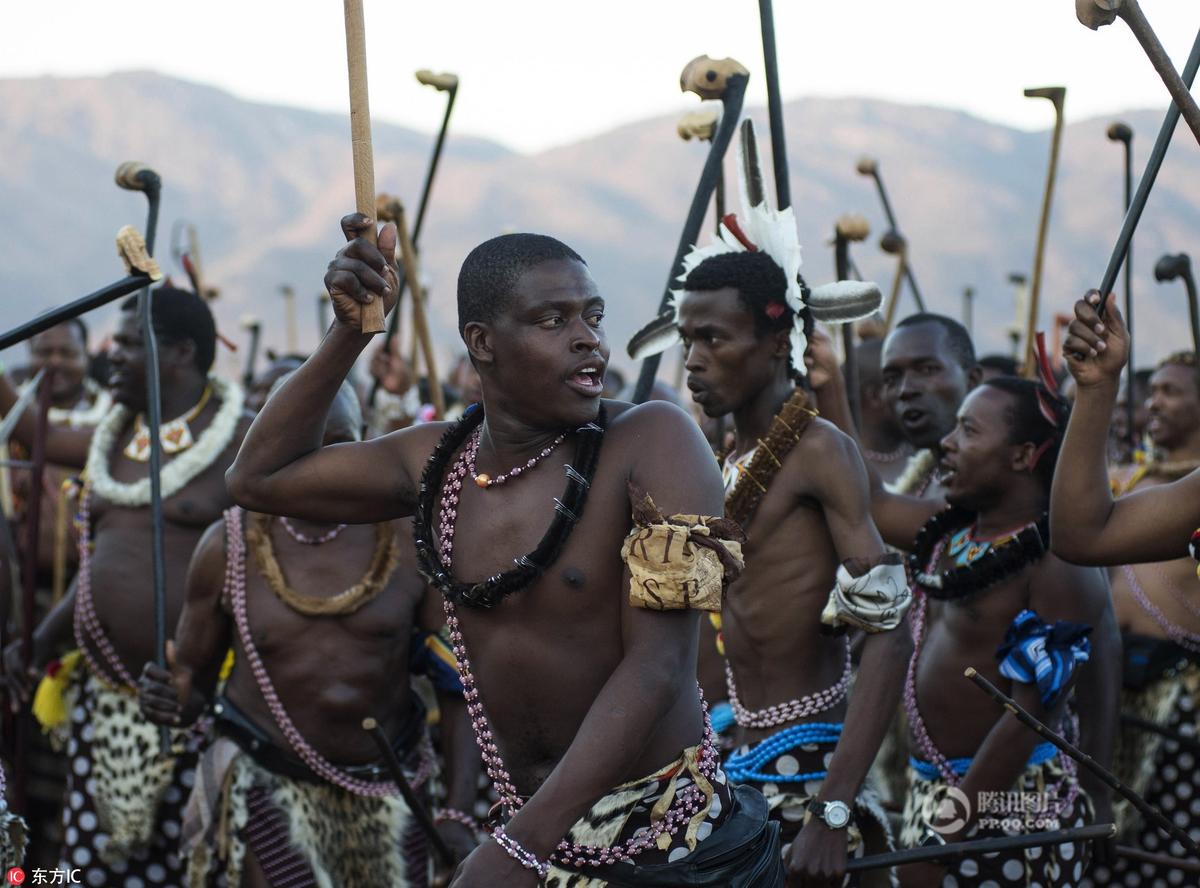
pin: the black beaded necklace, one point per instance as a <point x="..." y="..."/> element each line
<point x="998" y="563"/>
<point x="567" y="511"/>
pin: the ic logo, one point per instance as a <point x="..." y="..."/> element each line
<point x="15" y="876"/>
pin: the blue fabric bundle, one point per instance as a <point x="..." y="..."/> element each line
<point x="1035" y="651"/>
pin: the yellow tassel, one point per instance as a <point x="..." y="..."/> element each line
<point x="226" y="667"/>
<point x="49" y="703"/>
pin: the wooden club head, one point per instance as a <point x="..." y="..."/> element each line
<point x="867" y="166"/>
<point x="135" y="176"/>
<point x="444" y="82"/>
<point x="853" y="227"/>
<point x="388" y="208"/>
<point x="1172" y="266"/>
<point x="893" y="242"/>
<point x="844" y="302"/>
<point x="700" y="125"/>
<point x="250" y="322"/>
<point x="708" y="77"/>
<point x="1017" y="278"/>
<point x="1056" y="94"/>
<point x="1095" y="14"/>
<point x="131" y="247"/>
<point x="1120" y="132"/>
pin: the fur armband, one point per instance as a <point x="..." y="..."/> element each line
<point x="873" y="600"/>
<point x="684" y="561"/>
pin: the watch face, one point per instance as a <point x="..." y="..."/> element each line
<point x="837" y="814"/>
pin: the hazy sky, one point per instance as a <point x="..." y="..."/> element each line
<point x="536" y="73"/>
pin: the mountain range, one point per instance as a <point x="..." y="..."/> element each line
<point x="265" y="185"/>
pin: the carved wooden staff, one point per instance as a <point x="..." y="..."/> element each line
<point x="1024" y="717"/>
<point x="447" y="83"/>
<point x="289" y="312"/>
<point x="415" y="805"/>
<point x="252" y="326"/>
<point x="849" y="228"/>
<point x="137" y="177"/>
<point x="1179" y="265"/>
<point x="392" y="210"/>
<point x="868" y="166"/>
<point x="710" y="79"/>
<point x="1098" y="13"/>
<point x="370" y="315"/>
<point x="1056" y="95"/>
<point x="33" y="521"/>
<point x="1157" y="154"/>
<point x="779" y="159"/>
<point x="979" y="847"/>
<point x="893" y="243"/>
<point x="1123" y="133"/>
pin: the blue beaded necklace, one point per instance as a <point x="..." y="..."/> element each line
<point x="748" y="766"/>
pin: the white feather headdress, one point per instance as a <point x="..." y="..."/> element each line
<point x="762" y="230"/>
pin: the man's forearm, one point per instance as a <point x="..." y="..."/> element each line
<point x="872" y="707"/>
<point x="292" y="423"/>
<point x="999" y="763"/>
<point x="610" y="740"/>
<point x="1081" y="501"/>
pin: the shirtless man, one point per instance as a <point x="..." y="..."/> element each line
<point x="576" y="695"/>
<point x="881" y="440"/>
<point x="928" y="367"/>
<point x="798" y="487"/>
<point x="1089" y="526"/>
<point x="122" y="806"/>
<point x="1147" y="530"/>
<point x="272" y="590"/>
<point x="984" y="586"/>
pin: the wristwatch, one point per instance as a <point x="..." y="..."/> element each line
<point x="835" y="815"/>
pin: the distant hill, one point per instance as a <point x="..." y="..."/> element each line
<point x="265" y="186"/>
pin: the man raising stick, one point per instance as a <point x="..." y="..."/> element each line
<point x="123" y="800"/>
<point x="987" y="594"/>
<point x="798" y="487"/>
<point x="578" y="658"/>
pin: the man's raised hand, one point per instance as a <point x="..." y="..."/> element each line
<point x="1096" y="349"/>
<point x="363" y="271"/>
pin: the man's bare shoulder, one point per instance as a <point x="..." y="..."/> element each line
<point x="824" y="455"/>
<point x="651" y="418"/>
<point x="1061" y="590"/>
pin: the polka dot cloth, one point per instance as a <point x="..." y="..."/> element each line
<point x="158" y="866"/>
<point x="1058" y="866"/>
<point x="1174" y="790"/>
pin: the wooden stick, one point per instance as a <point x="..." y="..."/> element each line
<point x="893" y="242"/>
<point x="1142" y="724"/>
<point x="415" y="807"/>
<point x="1142" y="856"/>
<point x="955" y="850"/>
<point x="371" y="314"/>
<point x="1157" y="154"/>
<point x="1145" y="808"/>
<point x="1057" y="95"/>
<point x="420" y="323"/>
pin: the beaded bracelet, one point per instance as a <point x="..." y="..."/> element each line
<point x="454" y="815"/>
<point x="514" y="850"/>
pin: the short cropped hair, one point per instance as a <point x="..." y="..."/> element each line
<point x="181" y="314"/>
<point x="957" y="336"/>
<point x="490" y="272"/>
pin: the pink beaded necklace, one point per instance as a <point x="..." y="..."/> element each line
<point x="929" y="749"/>
<point x="688" y="801"/>
<point x="310" y="540"/>
<point x="1177" y="634"/>
<point x="783" y="713"/>
<point x="86" y="621"/>
<point x="235" y="584"/>
<point x="485" y="481"/>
